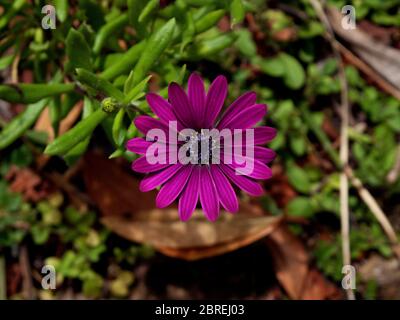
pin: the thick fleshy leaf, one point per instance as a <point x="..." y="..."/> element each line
<point x="246" y="100"/>
<point x="172" y="188"/>
<point x="226" y="194"/>
<point x="248" y="117"/>
<point x="197" y="97"/>
<point x="143" y="166"/>
<point x="246" y="184"/>
<point x="161" y="107"/>
<point x="180" y="104"/>
<point x="138" y="145"/>
<point x="208" y="195"/>
<point x="154" y="180"/>
<point x="215" y="100"/>
<point x="190" y="195"/>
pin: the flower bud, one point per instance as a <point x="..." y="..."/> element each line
<point x="110" y="105"/>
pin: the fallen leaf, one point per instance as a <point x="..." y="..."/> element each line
<point x="293" y="270"/>
<point x="378" y="61"/>
<point x="113" y="189"/>
<point x="195" y="239"/>
<point x="44" y="122"/>
<point x="132" y="215"/>
<point x="28" y="183"/>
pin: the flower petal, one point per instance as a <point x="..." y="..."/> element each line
<point x="215" y="100"/>
<point x="208" y="195"/>
<point x="143" y="166"/>
<point x="246" y="100"/>
<point x="190" y="195"/>
<point x="244" y="183"/>
<point x="264" y="155"/>
<point x="152" y="181"/>
<point x="263" y="135"/>
<point x="180" y="104"/>
<point x="138" y="145"/>
<point x="197" y="97"/>
<point x="173" y="187"/>
<point x="247" y="118"/>
<point x="226" y="194"/>
<point x="259" y="170"/>
<point x="146" y="123"/>
<point x="161" y="107"/>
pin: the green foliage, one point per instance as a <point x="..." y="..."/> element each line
<point x="117" y="48"/>
<point x="363" y="239"/>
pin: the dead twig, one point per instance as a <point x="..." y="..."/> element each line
<point x="373" y="205"/>
<point x="27" y="284"/>
<point x="344" y="140"/>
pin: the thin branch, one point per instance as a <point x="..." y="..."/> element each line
<point x="27" y="283"/>
<point x="344" y="141"/>
<point x="373" y="205"/>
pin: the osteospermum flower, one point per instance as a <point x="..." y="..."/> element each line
<point x="201" y="178"/>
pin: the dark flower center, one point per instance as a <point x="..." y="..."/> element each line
<point x="200" y="147"/>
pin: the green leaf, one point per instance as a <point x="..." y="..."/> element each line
<point x="6" y="61"/>
<point x="294" y="76"/>
<point x="274" y="67"/>
<point x="61" y="9"/>
<point x="21" y="123"/>
<point x="135" y="7"/>
<point x="237" y="11"/>
<point x="150" y="7"/>
<point x="107" y="30"/>
<point x="245" y="43"/>
<point x="298" y="144"/>
<point x="32" y="92"/>
<point x="132" y="93"/>
<point x="71" y="138"/>
<point x="93" y="81"/>
<point x="126" y="63"/>
<point x="73" y="154"/>
<point x="210" y="47"/>
<point x="155" y="46"/>
<point x="209" y="20"/>
<point x="300" y="207"/>
<point x="298" y="178"/>
<point x="78" y="51"/>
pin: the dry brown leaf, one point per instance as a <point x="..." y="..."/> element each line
<point x="195" y="239"/>
<point x="44" y="123"/>
<point x="28" y="183"/>
<point x="132" y="215"/>
<point x="293" y="271"/>
<point x="378" y="61"/>
<point x="114" y="190"/>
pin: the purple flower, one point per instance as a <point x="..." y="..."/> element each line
<point x="203" y="178"/>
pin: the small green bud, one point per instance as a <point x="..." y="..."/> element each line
<point x="110" y="105"/>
